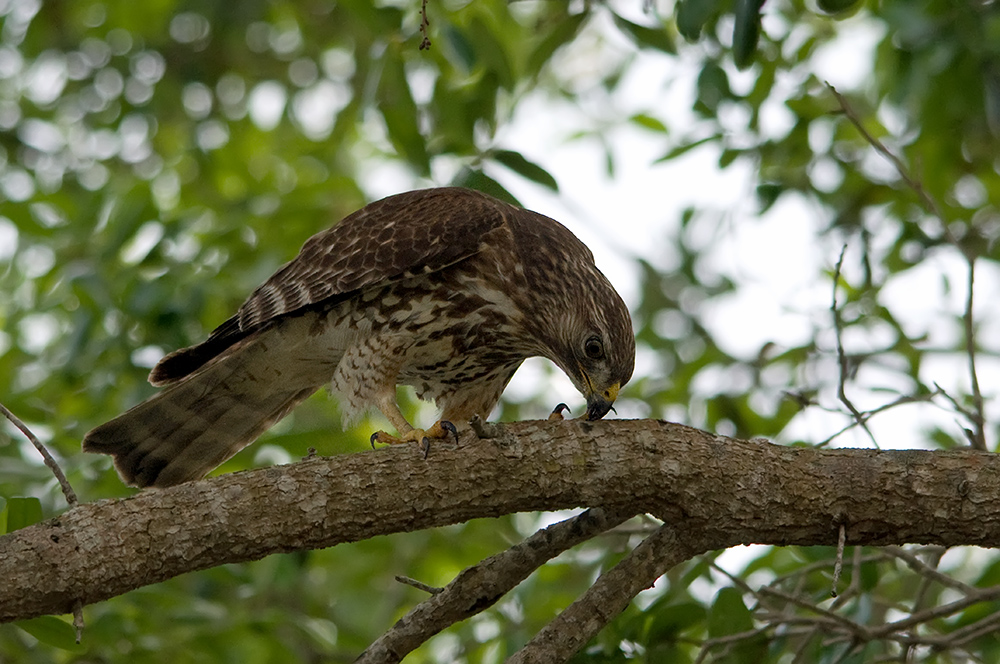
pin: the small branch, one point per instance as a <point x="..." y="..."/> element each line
<point x="972" y="632"/>
<point x="854" y="587"/>
<point x="857" y="631"/>
<point x="49" y="460"/>
<point x="928" y="202"/>
<point x="78" y="619"/>
<point x="869" y="414"/>
<point x="931" y="573"/>
<point x="839" y="564"/>
<point x="479" y="587"/>
<point x="425" y="43"/>
<point x="611" y="593"/>
<point x="978" y="437"/>
<point x="842" y="356"/>
<point x="730" y="640"/>
<point x="982" y="595"/>
<point x="419" y="585"/>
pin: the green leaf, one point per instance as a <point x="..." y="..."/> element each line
<point x="52" y="631"/>
<point x="655" y="38"/>
<point x="837" y="6"/>
<point x="22" y="512"/>
<point x="491" y="51"/>
<point x="692" y="15"/>
<point x="728" y="156"/>
<point x="516" y="162"/>
<point x="767" y="195"/>
<point x="460" y="46"/>
<point x="396" y="104"/>
<point x="685" y="147"/>
<point x="672" y="619"/>
<point x="649" y="122"/>
<point x="746" y="31"/>
<point x="564" y="32"/>
<point x="476" y="179"/>
<point x="713" y="88"/>
<point x="729" y="615"/>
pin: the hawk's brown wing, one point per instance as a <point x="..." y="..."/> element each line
<point x="412" y="233"/>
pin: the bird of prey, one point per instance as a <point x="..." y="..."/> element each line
<point x="447" y="290"/>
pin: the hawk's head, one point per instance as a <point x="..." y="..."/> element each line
<point x="578" y="317"/>
<point x="598" y="346"/>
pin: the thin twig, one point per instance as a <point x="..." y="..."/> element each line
<point x="78" y="619"/>
<point x="425" y="43"/>
<point x="869" y="414"/>
<point x="973" y="631"/>
<point x="926" y="199"/>
<point x="839" y="564"/>
<point x="929" y="572"/>
<point x="854" y="587"/>
<point x="49" y="460"/>
<point x="954" y="402"/>
<point x="856" y="630"/>
<point x="978" y="438"/>
<point x="419" y="585"/>
<point x="983" y="595"/>
<point x="730" y="640"/>
<point x="842" y="356"/>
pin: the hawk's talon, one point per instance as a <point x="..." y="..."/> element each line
<point x="425" y="446"/>
<point x="449" y="428"/>
<point x="556" y="414"/>
<point x="385" y="439"/>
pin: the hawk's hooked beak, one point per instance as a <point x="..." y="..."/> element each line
<point x="599" y="403"/>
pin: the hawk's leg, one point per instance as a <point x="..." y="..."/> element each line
<point x="442" y="429"/>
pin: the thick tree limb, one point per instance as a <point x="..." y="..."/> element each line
<point x="480" y="586"/>
<point x="744" y="492"/>
<point x="669" y="546"/>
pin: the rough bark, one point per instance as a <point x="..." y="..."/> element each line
<point x="730" y="490"/>
<point x="479" y="587"/>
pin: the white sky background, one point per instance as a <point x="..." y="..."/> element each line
<point x="777" y="259"/>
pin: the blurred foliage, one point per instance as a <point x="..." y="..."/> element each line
<point x="159" y="159"/>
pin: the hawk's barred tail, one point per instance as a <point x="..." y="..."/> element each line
<point x="151" y="448"/>
<point x="193" y="426"/>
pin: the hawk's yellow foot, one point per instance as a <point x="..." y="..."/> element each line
<point x="440" y="430"/>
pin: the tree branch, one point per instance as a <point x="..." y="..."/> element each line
<point x="480" y="586"/>
<point x="743" y="492"/>
<point x="47" y="457"/>
<point x="611" y="593"/>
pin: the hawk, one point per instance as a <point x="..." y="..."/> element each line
<point x="447" y="290"/>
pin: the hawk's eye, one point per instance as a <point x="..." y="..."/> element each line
<point x="594" y="348"/>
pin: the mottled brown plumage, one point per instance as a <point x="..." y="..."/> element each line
<point x="447" y="290"/>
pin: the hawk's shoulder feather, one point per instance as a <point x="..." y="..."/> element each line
<point x="416" y="232"/>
